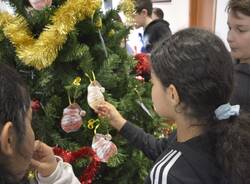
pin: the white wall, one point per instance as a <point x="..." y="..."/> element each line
<point x="176" y="13"/>
<point x="221" y="20"/>
<point x="106" y="5"/>
<point x="115" y="3"/>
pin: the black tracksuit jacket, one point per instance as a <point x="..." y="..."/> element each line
<point x="241" y="93"/>
<point x="190" y="162"/>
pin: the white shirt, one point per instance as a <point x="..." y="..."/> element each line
<point x="62" y="175"/>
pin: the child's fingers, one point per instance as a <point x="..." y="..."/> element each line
<point x="102" y="109"/>
<point x="37" y="145"/>
<point x="35" y="164"/>
<point x="101" y="116"/>
<point x="41" y="150"/>
<point x="37" y="150"/>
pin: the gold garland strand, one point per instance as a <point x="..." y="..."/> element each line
<point x="42" y="52"/>
<point x="128" y="8"/>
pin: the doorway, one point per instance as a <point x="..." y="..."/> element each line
<point x="203" y="14"/>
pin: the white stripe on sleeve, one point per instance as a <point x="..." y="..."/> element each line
<point x="168" y="167"/>
<point x="155" y="172"/>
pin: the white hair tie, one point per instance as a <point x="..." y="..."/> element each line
<point x="225" y="111"/>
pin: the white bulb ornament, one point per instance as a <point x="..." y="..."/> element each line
<point x="95" y="94"/>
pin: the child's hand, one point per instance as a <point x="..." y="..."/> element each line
<point x="44" y="160"/>
<point x="107" y="110"/>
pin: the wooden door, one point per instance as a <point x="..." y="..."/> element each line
<point x="203" y="14"/>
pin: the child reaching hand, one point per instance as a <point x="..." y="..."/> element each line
<point x="192" y="80"/>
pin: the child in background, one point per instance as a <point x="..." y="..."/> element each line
<point x="239" y="41"/>
<point x="157" y="14"/>
<point x="154" y="30"/>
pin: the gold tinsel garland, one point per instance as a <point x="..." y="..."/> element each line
<point x="42" y="52"/>
<point x="128" y="8"/>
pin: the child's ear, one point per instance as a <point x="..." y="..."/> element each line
<point x="7" y="139"/>
<point x="173" y="95"/>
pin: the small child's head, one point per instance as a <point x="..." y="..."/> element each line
<point x="16" y="134"/>
<point x="143" y="10"/>
<point x="195" y="70"/>
<point x="157" y="14"/>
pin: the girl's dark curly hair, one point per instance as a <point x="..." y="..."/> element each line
<point x="198" y="64"/>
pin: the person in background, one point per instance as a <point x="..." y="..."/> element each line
<point x="192" y="78"/>
<point x="239" y="41"/>
<point x="157" y="14"/>
<point x="154" y="30"/>
<point x="18" y="149"/>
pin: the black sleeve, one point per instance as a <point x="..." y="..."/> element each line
<point x="147" y="143"/>
<point x="241" y="91"/>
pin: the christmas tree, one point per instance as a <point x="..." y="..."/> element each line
<point x="55" y="47"/>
